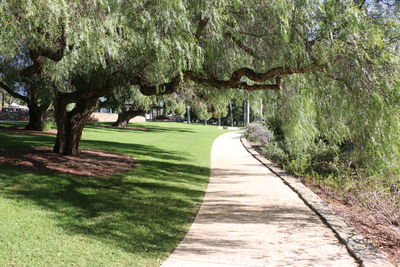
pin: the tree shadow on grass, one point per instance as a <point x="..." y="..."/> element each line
<point x="9" y="140"/>
<point x="144" y="211"/>
<point x="132" y="149"/>
<point x="149" y="128"/>
<point x="16" y="140"/>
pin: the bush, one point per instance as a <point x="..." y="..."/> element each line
<point x="49" y="124"/>
<point x="257" y="133"/>
<point x="298" y="166"/>
<point x="330" y="166"/>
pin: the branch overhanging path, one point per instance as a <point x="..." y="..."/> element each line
<point x="235" y="80"/>
<point x="249" y="217"/>
<point x="268" y="80"/>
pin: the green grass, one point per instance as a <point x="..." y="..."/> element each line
<point x="131" y="219"/>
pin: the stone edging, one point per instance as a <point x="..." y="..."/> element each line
<point x="363" y="251"/>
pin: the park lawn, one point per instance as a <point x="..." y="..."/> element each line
<point x="131" y="219"/>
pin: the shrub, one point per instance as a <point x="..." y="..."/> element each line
<point x="274" y="152"/>
<point x="257" y="133"/>
<point x="49" y="124"/>
<point x="298" y="166"/>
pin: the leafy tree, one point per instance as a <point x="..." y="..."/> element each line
<point x="129" y="102"/>
<point x="175" y="103"/>
<point x="35" y="91"/>
<point x="90" y="48"/>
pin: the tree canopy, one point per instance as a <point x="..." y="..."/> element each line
<point x="223" y="44"/>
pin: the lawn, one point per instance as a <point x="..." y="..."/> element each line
<point x="131" y="219"/>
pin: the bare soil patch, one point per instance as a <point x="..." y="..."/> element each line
<point x="88" y="163"/>
<point x="21" y="130"/>
<point x="378" y="231"/>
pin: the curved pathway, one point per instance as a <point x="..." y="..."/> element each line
<point x="249" y="217"/>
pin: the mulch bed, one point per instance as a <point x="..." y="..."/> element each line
<point x="378" y="231"/>
<point x="88" y="163"/>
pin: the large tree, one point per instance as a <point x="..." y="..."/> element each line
<point x="88" y="49"/>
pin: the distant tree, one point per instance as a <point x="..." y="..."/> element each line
<point x="34" y="90"/>
<point x="174" y="104"/>
<point x="128" y="102"/>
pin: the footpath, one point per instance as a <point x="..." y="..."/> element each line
<point x="249" y="217"/>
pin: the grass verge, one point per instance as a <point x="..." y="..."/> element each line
<point x="131" y="219"/>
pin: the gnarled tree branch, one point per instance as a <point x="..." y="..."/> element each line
<point x="11" y="92"/>
<point x="201" y="27"/>
<point x="236" y="76"/>
<point x="37" y="55"/>
<point x="162" y="89"/>
<point x="233" y="82"/>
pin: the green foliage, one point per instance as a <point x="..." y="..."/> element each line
<point x="338" y="113"/>
<point x="157" y="40"/>
<point x="49" y="124"/>
<point x="126" y="96"/>
<point x="174" y="104"/>
<point x="180" y="109"/>
<point x="343" y="134"/>
<point x="274" y="152"/>
<point x="201" y="111"/>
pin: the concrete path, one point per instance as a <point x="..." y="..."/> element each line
<point x="249" y="217"/>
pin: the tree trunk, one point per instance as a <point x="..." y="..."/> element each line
<point x="70" y="124"/>
<point x="231" y="111"/>
<point x="219" y="121"/>
<point x="244" y="113"/>
<point x="35" y="116"/>
<point x="125" y="116"/>
<point x="188" y="115"/>
<point x="35" y="119"/>
<point x="3" y="100"/>
<point x="247" y="112"/>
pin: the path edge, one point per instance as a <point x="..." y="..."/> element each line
<point x="165" y="261"/>
<point x="361" y="249"/>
